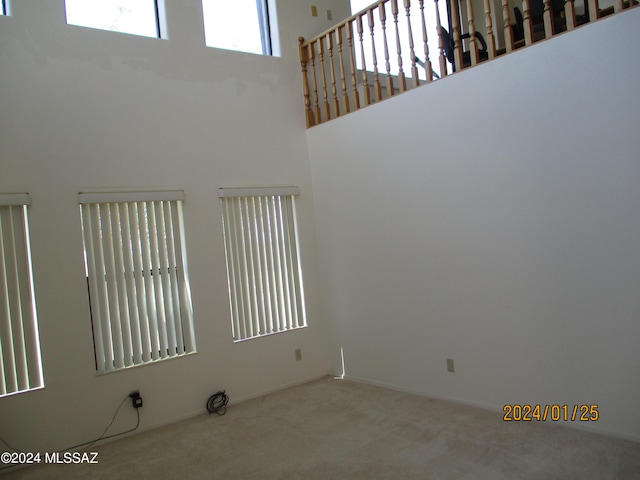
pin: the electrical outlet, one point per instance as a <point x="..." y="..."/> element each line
<point x="298" y="354"/>
<point x="314" y="11"/>
<point x="450" y="367"/>
<point x="329" y="15"/>
<point x="136" y="399"/>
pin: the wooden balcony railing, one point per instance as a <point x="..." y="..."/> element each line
<point x="396" y="45"/>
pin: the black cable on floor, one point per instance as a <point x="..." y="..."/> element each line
<point x="217" y="403"/>
<point x="90" y="443"/>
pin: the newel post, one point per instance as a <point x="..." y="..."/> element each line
<point x="304" y="61"/>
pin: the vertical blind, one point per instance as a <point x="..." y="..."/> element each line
<point x="138" y="281"/>
<point x="263" y="264"/>
<point x="20" y="360"/>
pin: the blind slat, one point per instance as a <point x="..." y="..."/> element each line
<point x="264" y="260"/>
<point x="30" y="322"/>
<point x="112" y="293"/>
<point x="291" y="261"/>
<point x="165" y="274"/>
<point x="20" y="313"/>
<point x="129" y="288"/>
<point x="302" y="321"/>
<point x="186" y="308"/>
<point x="177" y="339"/>
<point x="147" y="269"/>
<point x="157" y="278"/>
<point x="246" y="269"/>
<point x="136" y="210"/>
<point x="121" y="244"/>
<point x="100" y="315"/>
<point x="231" y="256"/>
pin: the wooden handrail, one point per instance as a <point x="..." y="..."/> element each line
<point x="341" y="65"/>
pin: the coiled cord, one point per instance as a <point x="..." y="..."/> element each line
<point x="217" y="403"/>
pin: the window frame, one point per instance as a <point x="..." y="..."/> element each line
<point x="137" y="319"/>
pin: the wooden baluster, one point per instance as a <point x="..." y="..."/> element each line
<point x="412" y="53"/>
<point x="332" y="71"/>
<point x="304" y="60"/>
<point x="618" y="5"/>
<point x="401" y="78"/>
<point x="473" y="45"/>
<point x="326" y="108"/>
<point x="548" y="19"/>
<point x="316" y="103"/>
<point x="594" y="10"/>
<point x="352" y="61"/>
<point x="425" y="39"/>
<point x="365" y="77"/>
<point x="383" y="21"/>
<point x="570" y="14"/>
<point x="528" y="24"/>
<point x="442" y="57"/>
<point x="377" y="88"/>
<point x="343" y="80"/>
<point x="457" y="44"/>
<point x="508" y="30"/>
<point x="488" y="21"/>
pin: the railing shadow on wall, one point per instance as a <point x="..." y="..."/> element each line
<point x="395" y="45"/>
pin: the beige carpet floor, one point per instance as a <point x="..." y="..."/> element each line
<point x="338" y="429"/>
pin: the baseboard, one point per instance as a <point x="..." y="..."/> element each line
<point x="279" y="387"/>
<point x="489" y="407"/>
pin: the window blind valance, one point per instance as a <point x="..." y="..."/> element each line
<point x="131" y="196"/>
<point x="259" y="191"/>
<point x="15" y="199"/>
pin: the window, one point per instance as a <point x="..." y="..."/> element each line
<point x="263" y="261"/>
<point x="20" y="361"/>
<point x="138" y="281"/>
<point x="241" y="25"/>
<point x="3" y="7"/>
<point x="138" y="17"/>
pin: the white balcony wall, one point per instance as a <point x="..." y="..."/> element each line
<point x="493" y="218"/>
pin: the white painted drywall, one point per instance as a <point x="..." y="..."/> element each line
<point x="82" y="108"/>
<point x="493" y="218"/>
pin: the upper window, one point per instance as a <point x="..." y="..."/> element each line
<point x="241" y="25"/>
<point x="138" y="17"/>
<point x="20" y="360"/>
<point x="263" y="261"/>
<point x="138" y="282"/>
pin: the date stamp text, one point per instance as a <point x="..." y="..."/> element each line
<point x="552" y="412"/>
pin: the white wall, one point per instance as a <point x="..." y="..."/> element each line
<point x="493" y="218"/>
<point x="83" y="108"/>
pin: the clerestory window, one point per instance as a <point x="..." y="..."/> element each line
<point x="241" y="25"/>
<point x="137" y="17"/>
